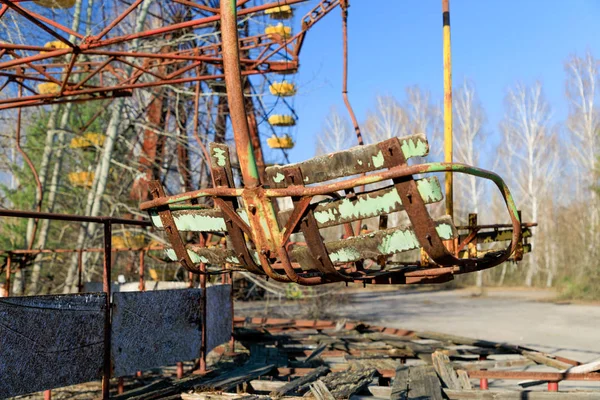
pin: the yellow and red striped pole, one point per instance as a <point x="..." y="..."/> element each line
<point x="448" y="106"/>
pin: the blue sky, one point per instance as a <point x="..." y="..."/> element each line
<point x="394" y="44"/>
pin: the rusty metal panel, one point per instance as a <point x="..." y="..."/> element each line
<point x="153" y="329"/>
<point x="219" y="315"/>
<point x="50" y="341"/>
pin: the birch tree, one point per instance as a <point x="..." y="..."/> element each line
<point x="531" y="159"/>
<point x="336" y="134"/>
<point x="469" y="136"/>
<point x="583" y="124"/>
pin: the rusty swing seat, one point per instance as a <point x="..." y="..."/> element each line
<point x="259" y="240"/>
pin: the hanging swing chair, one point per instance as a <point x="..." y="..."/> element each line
<point x="340" y="189"/>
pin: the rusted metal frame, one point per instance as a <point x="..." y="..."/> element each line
<point x="5" y="84"/>
<point x="106" y="281"/>
<point x="80" y="270"/>
<point x="41" y="100"/>
<point x="183" y="70"/>
<point x="136" y="85"/>
<point x="156" y="190"/>
<point x="36" y="177"/>
<point x="298" y="213"/>
<point x="24" y="86"/>
<point x="318" y="12"/>
<point x="414" y="206"/>
<point x="8" y="272"/>
<point x="469" y="239"/>
<point x="85" y="250"/>
<point x="281" y="45"/>
<point x="291" y="273"/>
<point x="236" y="227"/>
<point x="63" y="84"/>
<point x="142" y="69"/>
<point x="538" y="376"/>
<point x="312" y="235"/>
<point x="40" y="70"/>
<point x="196" y="5"/>
<point x="115" y="22"/>
<point x="235" y="95"/>
<point x="3" y="10"/>
<point x="136" y="54"/>
<point x="396" y="172"/>
<point x="37" y="19"/>
<point x="37" y="57"/>
<point x="196" y="23"/>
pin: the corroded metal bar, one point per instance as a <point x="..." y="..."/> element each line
<point x="196" y="218"/>
<point x="235" y="95"/>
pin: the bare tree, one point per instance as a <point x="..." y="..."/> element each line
<point x="583" y="124"/>
<point x="469" y="136"/>
<point x="531" y="158"/>
<point x="336" y="134"/>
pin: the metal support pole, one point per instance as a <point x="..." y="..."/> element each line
<point x="553" y="386"/>
<point x="448" y="106"/>
<point x="232" y="340"/>
<point x="179" y="370"/>
<point x="203" y="310"/>
<point x="47" y="394"/>
<point x="120" y="386"/>
<point x="235" y="95"/>
<point x="8" y="272"/>
<point x="483" y="382"/>
<point x="106" y="288"/>
<point x="79" y="271"/>
<point x="142" y="286"/>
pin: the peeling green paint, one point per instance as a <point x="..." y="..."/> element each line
<point x="193" y="256"/>
<point x="219" y="155"/>
<point x="232" y="260"/>
<point x="344" y="255"/>
<point x="414" y="147"/>
<point x="378" y="160"/>
<point x="359" y="161"/>
<point x="445" y="231"/>
<point x="366" y="207"/>
<point x="398" y="241"/>
<point x="278" y="178"/>
<point x="362" y="208"/>
<point x="430" y="190"/>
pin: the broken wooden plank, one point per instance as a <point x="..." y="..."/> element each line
<point x="344" y="384"/>
<point x="545" y="359"/>
<point x="320" y="391"/>
<point x="50" y="341"/>
<point x="463" y="377"/>
<point x="232" y="379"/>
<point x="441" y="363"/>
<point x="354" y="161"/>
<point x="424" y="383"/>
<point x="517" y="395"/>
<point x="300" y="385"/>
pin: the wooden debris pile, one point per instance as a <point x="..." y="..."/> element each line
<point x="285" y="359"/>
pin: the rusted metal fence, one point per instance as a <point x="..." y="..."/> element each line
<point x="60" y="340"/>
